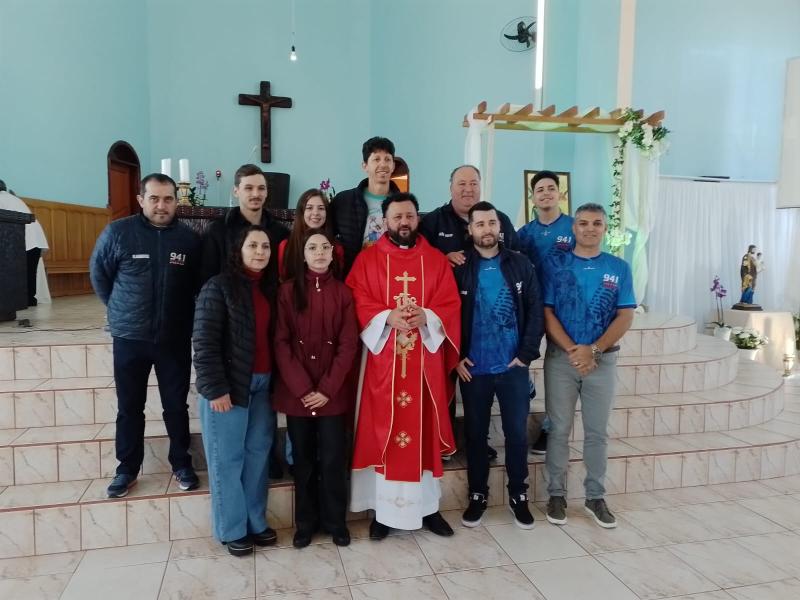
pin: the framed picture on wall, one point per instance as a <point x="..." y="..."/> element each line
<point x="563" y="193"/>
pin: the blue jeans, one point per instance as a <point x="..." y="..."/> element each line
<point x="563" y="385"/>
<point x="237" y="445"/>
<point x="513" y="393"/>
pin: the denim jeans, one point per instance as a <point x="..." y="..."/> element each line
<point x="563" y="385"/>
<point x="133" y="360"/>
<point x="237" y="445"/>
<point x="513" y="394"/>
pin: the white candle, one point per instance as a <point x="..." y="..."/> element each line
<point x="183" y="165"/>
<point x="789" y="347"/>
<point x="166" y="167"/>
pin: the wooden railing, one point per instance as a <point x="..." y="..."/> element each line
<point x="71" y="230"/>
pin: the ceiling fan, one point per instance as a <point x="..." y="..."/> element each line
<point x="519" y="35"/>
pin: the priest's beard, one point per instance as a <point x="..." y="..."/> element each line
<point x="405" y="236"/>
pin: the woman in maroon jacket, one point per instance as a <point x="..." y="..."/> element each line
<point x="316" y="340"/>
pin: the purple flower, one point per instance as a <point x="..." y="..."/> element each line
<point x="325" y="185"/>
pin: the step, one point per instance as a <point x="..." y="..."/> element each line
<point x="67" y="516"/>
<point x="86" y="352"/>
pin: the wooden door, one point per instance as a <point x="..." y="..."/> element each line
<point x="123" y="180"/>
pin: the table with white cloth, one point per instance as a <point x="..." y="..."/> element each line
<point x="777" y="326"/>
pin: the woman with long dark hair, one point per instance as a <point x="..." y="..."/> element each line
<point x="233" y="357"/>
<point x="316" y="340"/>
<point x="311" y="213"/>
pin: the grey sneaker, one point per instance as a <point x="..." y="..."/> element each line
<point x="557" y="510"/>
<point x="600" y="513"/>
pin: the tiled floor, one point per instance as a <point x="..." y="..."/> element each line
<point x="739" y="540"/>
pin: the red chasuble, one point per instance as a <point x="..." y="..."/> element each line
<point x="403" y="423"/>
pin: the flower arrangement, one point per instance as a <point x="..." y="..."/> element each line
<point x="748" y="339"/>
<point x="719" y="292"/>
<point x="327" y="189"/>
<point x="652" y="143"/>
<point x="197" y="194"/>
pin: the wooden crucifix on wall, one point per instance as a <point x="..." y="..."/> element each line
<point x="266" y="102"/>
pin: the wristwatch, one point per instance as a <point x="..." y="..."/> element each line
<point x="596" y="352"/>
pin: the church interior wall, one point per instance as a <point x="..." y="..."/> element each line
<point x="164" y="76"/>
<point x="718" y="69"/>
<point x="72" y="82"/>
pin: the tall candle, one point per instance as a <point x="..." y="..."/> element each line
<point x="183" y="165"/>
<point x="166" y="167"/>
<point x="789" y="348"/>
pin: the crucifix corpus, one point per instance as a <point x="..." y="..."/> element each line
<point x="405" y="343"/>
<point x="265" y="101"/>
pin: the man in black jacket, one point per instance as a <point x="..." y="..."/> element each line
<point x="250" y="188"/>
<point x="446" y="227"/>
<point x="357" y="214"/>
<point x="501" y="328"/>
<point x="145" y="269"/>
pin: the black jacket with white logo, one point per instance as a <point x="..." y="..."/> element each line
<point x="147" y="277"/>
<point x="521" y="279"/>
<point x="447" y="232"/>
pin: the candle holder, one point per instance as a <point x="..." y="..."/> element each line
<point x="183" y="194"/>
<point x="788" y="364"/>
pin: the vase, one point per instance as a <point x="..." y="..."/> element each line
<point x="748" y="353"/>
<point x="723" y="333"/>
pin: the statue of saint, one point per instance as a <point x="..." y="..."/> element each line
<point x="751" y="265"/>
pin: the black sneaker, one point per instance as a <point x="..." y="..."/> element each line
<point x="268" y="537"/>
<point x="474" y="513"/>
<point x="522" y="514"/>
<point x="600" y="513"/>
<point x="557" y="510"/>
<point x="120" y="485"/>
<point x="187" y="479"/>
<point x="540" y="445"/>
<point x="241" y="547"/>
<point x="435" y="523"/>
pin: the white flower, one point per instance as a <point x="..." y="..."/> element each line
<point x="625" y="130"/>
<point x="647" y="136"/>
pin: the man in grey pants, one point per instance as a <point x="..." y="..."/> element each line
<point x="588" y="308"/>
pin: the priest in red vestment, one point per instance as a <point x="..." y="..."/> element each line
<point x="409" y="313"/>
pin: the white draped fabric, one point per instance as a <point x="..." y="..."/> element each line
<point x="702" y="229"/>
<point x="639" y="196"/>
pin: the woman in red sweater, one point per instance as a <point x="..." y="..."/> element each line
<point x="316" y="340"/>
<point x="311" y="213"/>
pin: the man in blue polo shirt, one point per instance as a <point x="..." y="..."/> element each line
<point x="589" y="306"/>
<point x="546" y="241"/>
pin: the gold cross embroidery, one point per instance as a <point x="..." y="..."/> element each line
<point x="405" y="343"/>
<point x="404" y="399"/>
<point x="404" y="298"/>
<point x="402" y="439"/>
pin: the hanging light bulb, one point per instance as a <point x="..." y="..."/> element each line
<point x="293" y="53"/>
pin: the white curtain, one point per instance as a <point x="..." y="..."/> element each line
<point x="639" y="197"/>
<point x="702" y="229"/>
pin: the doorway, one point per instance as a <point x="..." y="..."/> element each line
<point x="401" y="176"/>
<point x="123" y="180"/>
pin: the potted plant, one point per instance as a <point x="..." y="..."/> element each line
<point x="749" y="341"/>
<point x="720" y="330"/>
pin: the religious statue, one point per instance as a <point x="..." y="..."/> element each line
<point x="748" y="271"/>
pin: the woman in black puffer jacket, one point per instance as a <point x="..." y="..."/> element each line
<point x="233" y="325"/>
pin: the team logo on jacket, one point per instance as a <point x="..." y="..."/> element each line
<point x="518" y="285"/>
<point x="176" y="258"/>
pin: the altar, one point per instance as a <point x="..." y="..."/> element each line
<point x="777" y="326"/>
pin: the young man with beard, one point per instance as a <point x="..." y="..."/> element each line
<point x="501" y="329"/>
<point x="587" y="310"/>
<point x="546" y="240"/>
<point x="356" y="213"/>
<point x="408" y="313"/>
<point x="250" y="188"/>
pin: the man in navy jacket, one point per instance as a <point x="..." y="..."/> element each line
<point x="501" y="328"/>
<point x="145" y="269"/>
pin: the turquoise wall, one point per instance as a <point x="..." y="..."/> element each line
<point x="73" y="81"/>
<point x="718" y="68"/>
<point x="164" y="75"/>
